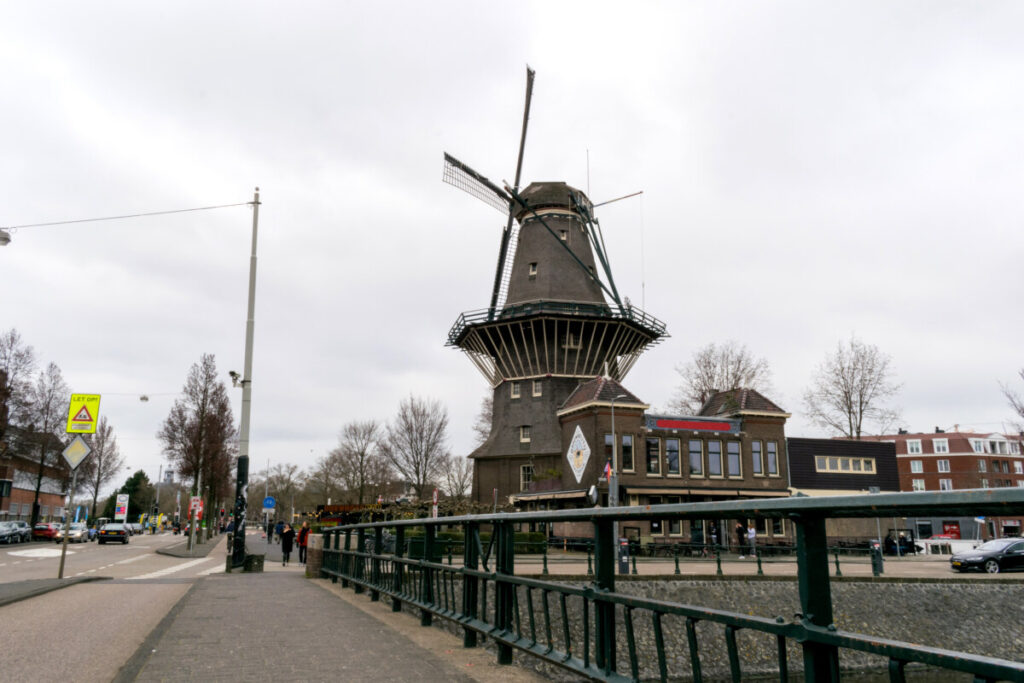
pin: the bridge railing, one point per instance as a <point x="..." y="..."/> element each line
<point x="592" y="630"/>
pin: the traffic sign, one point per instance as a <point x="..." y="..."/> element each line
<point x="77" y="451"/>
<point x="195" y="503"/>
<point x="269" y="502"/>
<point x="83" y="412"/>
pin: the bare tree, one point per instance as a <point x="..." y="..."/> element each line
<point x="45" y="415"/>
<point x="718" y="367"/>
<point x="285" y="485"/>
<point x="851" y="386"/>
<point x="458" y="476"/>
<point x="323" y="480"/>
<point x="103" y="464"/>
<point x="484" y="420"/>
<point x="415" y="442"/>
<point x="17" y="365"/>
<point x="1016" y="402"/>
<point x="359" y="458"/>
<point x="199" y="433"/>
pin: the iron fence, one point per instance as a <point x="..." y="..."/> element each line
<point x="587" y="629"/>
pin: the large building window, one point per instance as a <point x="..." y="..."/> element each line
<point x="696" y="458"/>
<point x="982" y="466"/>
<point x="940" y="445"/>
<point x="525" y="477"/>
<point x="653" y="455"/>
<point x="672" y="456"/>
<point x="627" y="453"/>
<point x="943" y="465"/>
<point x="945" y="484"/>
<point x="916" y="466"/>
<point x="714" y="458"/>
<point x="846" y="465"/>
<point x="756" y="459"/>
<point x="733" y="459"/>
<point x="914" y="446"/>
<point x="917" y="484"/>
<point x="978" y="445"/>
<point x="773" y="458"/>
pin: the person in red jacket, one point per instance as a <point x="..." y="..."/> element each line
<point x="303" y="539"/>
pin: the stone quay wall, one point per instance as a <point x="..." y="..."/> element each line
<point x="977" y="617"/>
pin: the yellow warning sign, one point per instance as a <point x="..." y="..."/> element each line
<point x="83" y="413"/>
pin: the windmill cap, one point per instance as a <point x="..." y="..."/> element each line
<point x="551" y="195"/>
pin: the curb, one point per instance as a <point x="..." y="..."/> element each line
<point x="180" y="550"/>
<point x="56" y="585"/>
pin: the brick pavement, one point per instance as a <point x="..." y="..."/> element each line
<point x="278" y="626"/>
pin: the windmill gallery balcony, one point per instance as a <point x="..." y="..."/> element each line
<point x="567" y="338"/>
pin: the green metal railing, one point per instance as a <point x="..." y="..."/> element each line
<point x="587" y="629"/>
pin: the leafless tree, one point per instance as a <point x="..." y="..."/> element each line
<point x="1016" y="402"/>
<point x="323" y="480"/>
<point x="852" y="386"/>
<point x="45" y="415"/>
<point x="103" y="464"/>
<point x="484" y="420"/>
<point x="415" y="442"/>
<point x="199" y="433"/>
<point x="718" y="367"/>
<point x="17" y="365"/>
<point x="361" y="464"/>
<point x="285" y="485"/>
<point x="458" y="476"/>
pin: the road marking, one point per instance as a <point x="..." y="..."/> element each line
<point x="131" y="559"/>
<point x="39" y="552"/>
<point x="212" y="570"/>
<point x="171" y="570"/>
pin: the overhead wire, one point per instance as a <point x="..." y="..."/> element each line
<point x="131" y="215"/>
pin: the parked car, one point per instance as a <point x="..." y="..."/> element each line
<point x="113" y="532"/>
<point x="9" y="533"/>
<point x="76" y="534"/>
<point x="24" y="528"/>
<point x="44" y="531"/>
<point x="998" y="555"/>
<point x="135" y="528"/>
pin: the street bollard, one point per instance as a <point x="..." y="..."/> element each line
<point x="839" y="572"/>
<point x="633" y="557"/>
<point x="677" y="558"/>
<point x="544" y="572"/>
<point x="449" y="543"/>
<point x="718" y="561"/>
<point x="760" y="572"/>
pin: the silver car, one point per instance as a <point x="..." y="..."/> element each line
<point x="78" y="533"/>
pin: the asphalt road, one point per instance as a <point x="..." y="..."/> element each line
<point x="136" y="560"/>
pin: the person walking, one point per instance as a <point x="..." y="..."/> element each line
<point x="741" y="538"/>
<point x="752" y="538"/>
<point x="287" y="539"/>
<point x="278" y="529"/>
<point x="303" y="540"/>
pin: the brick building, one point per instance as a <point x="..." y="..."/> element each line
<point x="19" y="471"/>
<point x="953" y="461"/>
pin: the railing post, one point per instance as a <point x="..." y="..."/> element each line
<point x="470" y="584"/>
<point x="590" y="566"/>
<point x="358" y="571"/>
<point x="718" y="562"/>
<point x="427" y="576"/>
<point x="760" y="571"/>
<point x="544" y="572"/>
<point x="821" y="662"/>
<point x="504" y="591"/>
<point x="398" y="569"/>
<point x="676" y="553"/>
<point x="346" y="560"/>
<point x="839" y="572"/>
<point x="604" y="582"/>
<point x="378" y="545"/>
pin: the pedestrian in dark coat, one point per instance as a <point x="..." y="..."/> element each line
<point x="278" y="529"/>
<point x="303" y="540"/>
<point x="287" y="540"/>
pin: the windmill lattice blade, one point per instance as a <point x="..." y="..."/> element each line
<point x="457" y="174"/>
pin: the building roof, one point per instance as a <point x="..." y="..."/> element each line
<point x="956" y="442"/>
<point x="601" y="391"/>
<point x="740" y="400"/>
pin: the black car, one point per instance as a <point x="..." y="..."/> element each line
<point x="999" y="555"/>
<point x="113" y="532"/>
<point x="9" y="533"/>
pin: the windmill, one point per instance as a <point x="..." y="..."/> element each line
<point x="555" y="317"/>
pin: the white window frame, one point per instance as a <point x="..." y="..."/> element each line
<point x="756" y="458"/>
<point x="538" y="388"/>
<point x="524" y="434"/>
<point x="984" y="483"/>
<point x="916" y="466"/>
<point x="942" y="464"/>
<point x="945" y="484"/>
<point x="914" y="446"/>
<point x="940" y="445"/>
<point x="1014" y="448"/>
<point x="1018" y="467"/>
<point x="983" y="466"/>
<point x="721" y="460"/>
<point x="514" y="390"/>
<point x="772" y="468"/>
<point x="917" y="485"/>
<point x="525" y="476"/>
<point x="533" y="269"/>
<point x="739" y="460"/>
<point x="978" y="445"/>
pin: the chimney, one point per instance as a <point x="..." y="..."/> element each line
<point x="901" y="431"/>
<point x="939" y="431"/>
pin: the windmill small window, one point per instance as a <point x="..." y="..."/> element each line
<point x="533" y="270"/>
<point x="537" y="388"/>
<point x="514" y="390"/>
<point x="524" y="434"/>
<point x="563" y="235"/>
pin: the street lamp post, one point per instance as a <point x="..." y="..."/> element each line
<point x="242" y="477"/>
<point x="613" y="478"/>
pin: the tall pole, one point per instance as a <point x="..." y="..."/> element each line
<point x="242" y="479"/>
<point x="67" y="521"/>
<point x="613" y="478"/>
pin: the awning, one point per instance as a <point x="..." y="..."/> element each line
<point x="669" y="491"/>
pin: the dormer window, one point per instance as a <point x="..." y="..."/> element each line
<point x="563" y="235"/>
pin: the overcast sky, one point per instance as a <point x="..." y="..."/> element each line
<point x="810" y="171"/>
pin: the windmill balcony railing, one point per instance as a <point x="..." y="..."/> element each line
<point x="560" y="308"/>
<point x="601" y="634"/>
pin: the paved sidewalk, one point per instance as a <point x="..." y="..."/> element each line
<point x="279" y="626"/>
<point x="21" y="590"/>
<point x="201" y="550"/>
